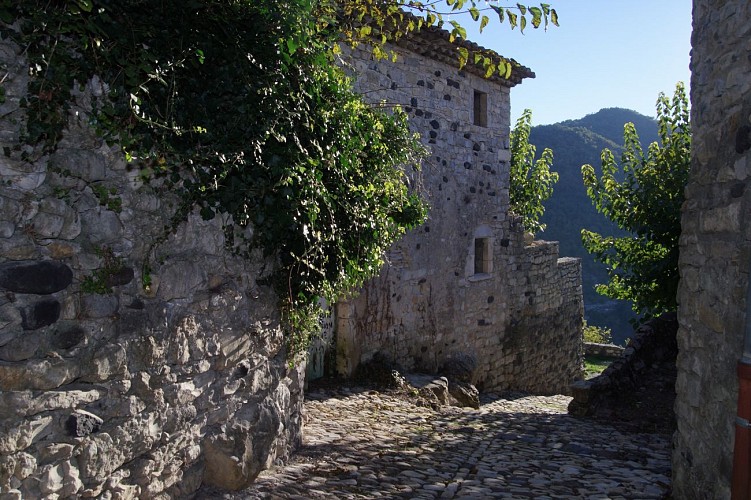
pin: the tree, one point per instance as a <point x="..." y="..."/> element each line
<point x="643" y="196"/>
<point x="531" y="180"/>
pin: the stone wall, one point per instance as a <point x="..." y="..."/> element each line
<point x="603" y="350"/>
<point x="654" y="343"/>
<point x="715" y="249"/>
<point x="466" y="282"/>
<point x="108" y="387"/>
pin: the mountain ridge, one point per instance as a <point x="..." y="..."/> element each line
<point x="577" y="142"/>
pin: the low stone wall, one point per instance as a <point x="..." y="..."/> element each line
<point x="544" y="336"/>
<point x="653" y="342"/>
<point x="120" y="379"/>
<point x="603" y="350"/>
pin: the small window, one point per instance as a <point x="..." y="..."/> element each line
<point x="483" y="256"/>
<point x="480" y="108"/>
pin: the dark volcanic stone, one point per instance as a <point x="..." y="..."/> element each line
<point x="42" y="313"/>
<point x="82" y="423"/>
<point x="68" y="336"/>
<point x="38" y="277"/>
<point x="122" y="276"/>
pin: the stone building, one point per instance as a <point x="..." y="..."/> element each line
<point x="466" y="283"/>
<point x="715" y="257"/>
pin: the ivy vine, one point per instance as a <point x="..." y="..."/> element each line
<point x="238" y="106"/>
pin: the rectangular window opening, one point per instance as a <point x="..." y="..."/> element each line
<point x="483" y="256"/>
<point x="480" y="109"/>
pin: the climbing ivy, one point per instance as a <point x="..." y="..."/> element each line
<point x="236" y="106"/>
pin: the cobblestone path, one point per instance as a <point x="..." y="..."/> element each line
<point x="374" y="445"/>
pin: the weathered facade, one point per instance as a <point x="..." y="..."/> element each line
<point x="715" y="251"/>
<point x="466" y="283"/>
<point x="110" y="388"/>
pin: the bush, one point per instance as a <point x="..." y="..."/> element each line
<point x="597" y="334"/>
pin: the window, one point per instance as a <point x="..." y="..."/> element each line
<point x="483" y="256"/>
<point x="480" y="108"/>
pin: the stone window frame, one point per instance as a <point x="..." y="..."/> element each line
<point x="480" y="267"/>
<point x="479" y="108"/>
<point x="483" y="256"/>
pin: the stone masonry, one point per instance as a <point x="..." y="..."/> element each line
<point x="111" y="386"/>
<point x="466" y="283"/>
<point x="715" y="250"/>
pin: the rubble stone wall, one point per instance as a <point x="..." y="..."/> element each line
<point x="111" y="386"/>
<point x="466" y="282"/>
<point x="715" y="250"/>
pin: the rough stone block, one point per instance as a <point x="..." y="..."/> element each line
<point x="22" y="347"/>
<point x="102" y="226"/>
<point x="99" y="306"/>
<point x="465" y="394"/>
<point x="20" y="435"/>
<point x="37" y="374"/>
<point x="81" y="163"/>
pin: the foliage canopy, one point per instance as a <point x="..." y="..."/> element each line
<point x="257" y="126"/>
<point x="643" y="195"/>
<point x="531" y="180"/>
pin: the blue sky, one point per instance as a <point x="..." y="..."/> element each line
<point x="606" y="53"/>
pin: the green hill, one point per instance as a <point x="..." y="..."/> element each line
<point x="569" y="210"/>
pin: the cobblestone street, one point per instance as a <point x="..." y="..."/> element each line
<point x="367" y="444"/>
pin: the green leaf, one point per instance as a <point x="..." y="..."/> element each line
<point x="536" y="16"/>
<point x="522" y="24"/>
<point x="474" y="13"/>
<point x="522" y="9"/>
<point x="499" y="10"/>
<point x="463" y="56"/>
<point x="484" y="22"/>
<point x="512" y="17"/>
<point x="85" y="5"/>
<point x="554" y="17"/>
<point x="458" y="29"/>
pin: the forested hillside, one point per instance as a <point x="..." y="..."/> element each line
<point x="575" y="143"/>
